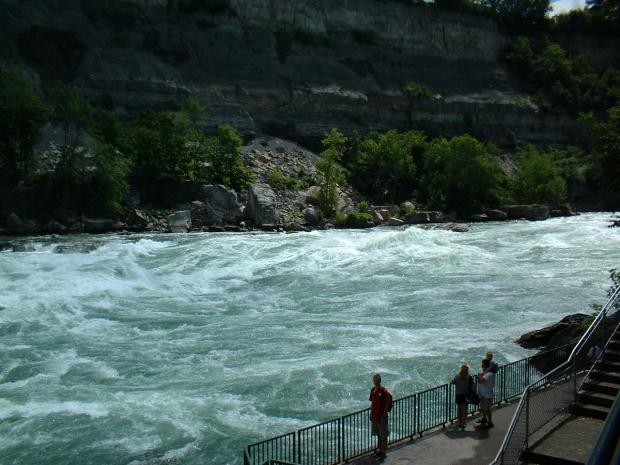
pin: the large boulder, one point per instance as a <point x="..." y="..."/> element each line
<point x="311" y="216"/>
<point x="528" y="212"/>
<point x="137" y="220"/>
<point x="262" y="206"/>
<point x="98" y="225"/>
<point x="424" y="217"/>
<point x="394" y="222"/>
<point x="18" y="226"/>
<point x="54" y="227"/>
<point x="313" y="195"/>
<point x="377" y="218"/>
<point x="222" y="205"/>
<point x="565" y="331"/>
<point x="180" y="221"/>
<point x="454" y="227"/>
<point x="496" y="215"/>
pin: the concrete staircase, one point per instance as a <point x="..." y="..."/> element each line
<point x="571" y="442"/>
<point x="598" y="394"/>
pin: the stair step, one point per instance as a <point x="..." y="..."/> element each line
<point x="591" y="411"/>
<point x="611" y="356"/>
<point x="602" y="388"/>
<point x="613" y="345"/>
<point x="608" y="377"/>
<point x="599" y="399"/>
<point x="528" y="456"/>
<point x="608" y="366"/>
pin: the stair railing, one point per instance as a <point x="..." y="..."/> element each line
<point x="554" y="392"/>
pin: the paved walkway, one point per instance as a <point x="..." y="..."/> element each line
<point x="451" y="446"/>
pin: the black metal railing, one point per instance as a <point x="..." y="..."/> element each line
<point x="336" y="441"/>
<point x="556" y="391"/>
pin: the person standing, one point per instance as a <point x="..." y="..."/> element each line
<point x="462" y="381"/>
<point x="486" y="382"/>
<point x="493" y="366"/>
<point x="380" y="404"/>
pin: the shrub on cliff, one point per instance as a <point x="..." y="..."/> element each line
<point x="561" y="80"/>
<point x="538" y="179"/>
<point x="22" y="114"/>
<point x="460" y="175"/>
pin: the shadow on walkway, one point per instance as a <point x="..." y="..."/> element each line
<point x="476" y="445"/>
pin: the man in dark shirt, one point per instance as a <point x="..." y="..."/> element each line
<point x="493" y="366"/>
<point x="381" y="402"/>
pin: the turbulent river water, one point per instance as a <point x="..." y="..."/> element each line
<point x="166" y="349"/>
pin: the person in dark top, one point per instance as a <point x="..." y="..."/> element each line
<point x="494" y="367"/>
<point x="381" y="403"/>
<point x="462" y="381"/>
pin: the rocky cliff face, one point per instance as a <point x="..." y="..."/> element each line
<point x="293" y="68"/>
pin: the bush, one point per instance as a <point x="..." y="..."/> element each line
<point x="385" y="165"/>
<point x="417" y="90"/>
<point x="461" y="176"/>
<point x="278" y="179"/>
<point x="358" y="220"/>
<point x="537" y="179"/>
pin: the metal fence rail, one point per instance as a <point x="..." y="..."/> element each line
<point x="556" y="391"/>
<point x="349" y="436"/>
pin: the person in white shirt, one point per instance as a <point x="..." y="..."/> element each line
<point x="486" y="382"/>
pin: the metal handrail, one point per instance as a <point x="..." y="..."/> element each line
<point x="549" y="379"/>
<point x="347" y="437"/>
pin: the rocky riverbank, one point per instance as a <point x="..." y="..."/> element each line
<point x="283" y="197"/>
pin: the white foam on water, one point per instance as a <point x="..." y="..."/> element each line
<point x="40" y="409"/>
<point x="188" y="347"/>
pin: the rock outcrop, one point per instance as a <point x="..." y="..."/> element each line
<point x="567" y="330"/>
<point x="221" y="205"/>
<point x="528" y="212"/>
<point x="180" y="221"/>
<point x="262" y="208"/>
<point x="291" y="68"/>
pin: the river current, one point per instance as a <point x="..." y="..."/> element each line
<point x="170" y="349"/>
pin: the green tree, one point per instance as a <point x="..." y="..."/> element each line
<point x="386" y="164"/>
<point x="97" y="177"/>
<point x="72" y="112"/>
<point x="460" y="175"/>
<point x="538" y="179"/>
<point x="330" y="173"/>
<point x="22" y="114"/>
<point x="604" y="139"/>
<point x="226" y="157"/>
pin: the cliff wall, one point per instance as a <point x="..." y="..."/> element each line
<point x="292" y="68"/>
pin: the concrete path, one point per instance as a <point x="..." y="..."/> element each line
<point x="451" y="446"/>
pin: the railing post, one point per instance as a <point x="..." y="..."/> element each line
<point x="504" y="384"/>
<point x="575" y="379"/>
<point x="447" y="406"/>
<point x="341" y="440"/>
<point x="527" y="419"/>
<point x="417" y="414"/>
<point x="298" y="452"/>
